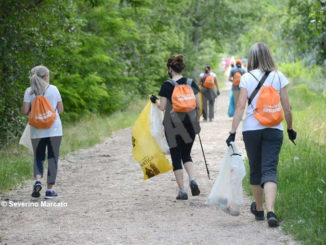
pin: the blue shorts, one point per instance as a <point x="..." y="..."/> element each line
<point x="263" y="148"/>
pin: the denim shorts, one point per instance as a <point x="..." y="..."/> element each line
<point x="263" y="148"/>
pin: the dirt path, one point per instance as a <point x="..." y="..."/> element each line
<point x="107" y="201"/>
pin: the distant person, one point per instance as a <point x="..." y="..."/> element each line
<point x="227" y="63"/>
<point x="44" y="139"/>
<point x="244" y="63"/>
<point x="232" y="65"/>
<point x="180" y="124"/>
<point x="210" y="90"/>
<point x="263" y="133"/>
<point x="235" y="76"/>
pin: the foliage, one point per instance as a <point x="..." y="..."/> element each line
<point x="313" y="76"/>
<point x="305" y="29"/>
<point x="101" y="54"/>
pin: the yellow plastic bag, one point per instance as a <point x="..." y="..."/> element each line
<point x="145" y="149"/>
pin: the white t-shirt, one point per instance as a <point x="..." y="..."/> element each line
<point x="276" y="79"/>
<point x="52" y="94"/>
<point x="205" y="74"/>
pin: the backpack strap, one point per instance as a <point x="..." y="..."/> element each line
<point x="260" y="84"/>
<point x="174" y="83"/>
<point x="189" y="82"/>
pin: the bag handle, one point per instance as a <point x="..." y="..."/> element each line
<point x="260" y="84"/>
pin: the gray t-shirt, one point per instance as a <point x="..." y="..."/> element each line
<point x="52" y="94"/>
<point x="233" y="71"/>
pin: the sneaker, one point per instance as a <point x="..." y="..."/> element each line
<point x="182" y="196"/>
<point x="50" y="194"/>
<point x="272" y="220"/>
<point x="194" y="188"/>
<point x="37" y="187"/>
<point x="259" y="215"/>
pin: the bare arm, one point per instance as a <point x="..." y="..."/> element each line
<point x="199" y="81"/>
<point x="286" y="107"/>
<point x="241" y="106"/>
<point x="216" y="84"/>
<point x="161" y="103"/>
<point x="26" y="108"/>
<point x="60" y="107"/>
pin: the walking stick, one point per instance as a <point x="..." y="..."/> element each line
<point x="204" y="157"/>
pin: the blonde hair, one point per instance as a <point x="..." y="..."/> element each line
<point x="260" y="58"/>
<point x="39" y="79"/>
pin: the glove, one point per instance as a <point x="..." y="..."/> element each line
<point x="153" y="98"/>
<point x="292" y="135"/>
<point x="230" y="139"/>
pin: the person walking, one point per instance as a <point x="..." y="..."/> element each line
<point x="180" y="128"/>
<point x="263" y="132"/>
<point x="209" y="88"/>
<point x="234" y="77"/>
<point x="44" y="138"/>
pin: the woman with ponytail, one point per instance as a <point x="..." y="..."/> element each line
<point x="45" y="138"/>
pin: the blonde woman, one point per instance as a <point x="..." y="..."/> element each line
<point x="263" y="144"/>
<point x="43" y="139"/>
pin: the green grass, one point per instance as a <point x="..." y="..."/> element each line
<point x="16" y="163"/>
<point x="301" y="198"/>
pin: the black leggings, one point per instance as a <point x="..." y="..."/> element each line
<point x="182" y="151"/>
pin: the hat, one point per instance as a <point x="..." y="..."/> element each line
<point x="238" y="62"/>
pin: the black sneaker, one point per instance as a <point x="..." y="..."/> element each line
<point x="194" y="188"/>
<point x="37" y="187"/>
<point x="272" y="220"/>
<point x="50" y="194"/>
<point x="182" y="196"/>
<point x="259" y="215"/>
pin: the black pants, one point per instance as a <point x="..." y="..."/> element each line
<point x="39" y="147"/>
<point x="181" y="152"/>
<point x="263" y="148"/>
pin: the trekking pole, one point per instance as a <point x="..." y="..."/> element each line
<point x="204" y="157"/>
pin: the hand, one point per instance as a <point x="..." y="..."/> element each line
<point x="153" y="98"/>
<point x="292" y="135"/>
<point x="218" y="92"/>
<point x="230" y="139"/>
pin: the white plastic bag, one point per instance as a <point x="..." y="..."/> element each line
<point x="226" y="192"/>
<point x="157" y="128"/>
<point x="25" y="139"/>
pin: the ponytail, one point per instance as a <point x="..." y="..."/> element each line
<point x="37" y="80"/>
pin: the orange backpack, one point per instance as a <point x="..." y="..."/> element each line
<point x="42" y="114"/>
<point x="236" y="78"/>
<point x="268" y="109"/>
<point x="209" y="82"/>
<point x="183" y="97"/>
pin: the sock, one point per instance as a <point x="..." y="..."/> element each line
<point x="182" y="191"/>
<point x="38" y="180"/>
<point x="192" y="179"/>
<point x="49" y="190"/>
